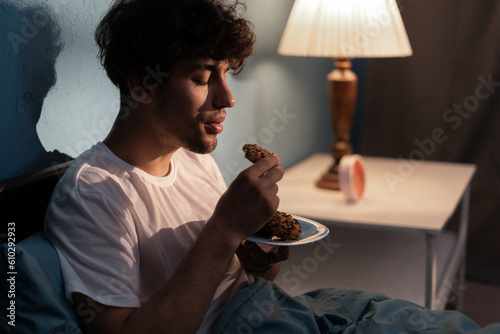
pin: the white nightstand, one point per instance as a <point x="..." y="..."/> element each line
<point x="370" y="244"/>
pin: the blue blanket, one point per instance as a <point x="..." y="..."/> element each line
<point x="265" y="308"/>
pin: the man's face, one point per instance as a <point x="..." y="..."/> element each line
<point x="190" y="106"/>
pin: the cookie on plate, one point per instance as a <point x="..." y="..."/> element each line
<point x="282" y="227"/>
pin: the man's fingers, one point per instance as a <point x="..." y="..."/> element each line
<point x="259" y="256"/>
<point x="265" y="164"/>
<point x="280" y="254"/>
<point x="275" y="174"/>
<point x="252" y="257"/>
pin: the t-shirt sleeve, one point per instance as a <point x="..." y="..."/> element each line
<point x="97" y="246"/>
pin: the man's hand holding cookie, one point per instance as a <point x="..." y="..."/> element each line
<point x="282" y="226"/>
<point x="251" y="200"/>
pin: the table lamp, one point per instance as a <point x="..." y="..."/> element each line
<point x="343" y="30"/>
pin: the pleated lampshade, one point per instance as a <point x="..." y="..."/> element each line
<point x="345" y="29"/>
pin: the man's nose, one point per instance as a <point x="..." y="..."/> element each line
<point x="223" y="96"/>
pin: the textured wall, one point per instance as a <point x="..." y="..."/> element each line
<point x="80" y="108"/>
<point x="29" y="43"/>
<point x="281" y="101"/>
<point x="55" y="100"/>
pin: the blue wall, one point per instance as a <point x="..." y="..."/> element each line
<point x="281" y="102"/>
<point x="29" y="44"/>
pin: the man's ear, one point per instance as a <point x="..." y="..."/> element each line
<point x="137" y="89"/>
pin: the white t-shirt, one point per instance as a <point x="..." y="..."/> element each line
<point x="121" y="233"/>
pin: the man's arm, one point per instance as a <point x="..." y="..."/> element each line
<point x="179" y="307"/>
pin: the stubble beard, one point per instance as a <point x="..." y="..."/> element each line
<point x="174" y="137"/>
<point x="200" y="146"/>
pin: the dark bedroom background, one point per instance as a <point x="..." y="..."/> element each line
<point x="452" y="84"/>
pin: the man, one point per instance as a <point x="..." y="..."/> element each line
<point x="143" y="223"/>
<point x="149" y="238"/>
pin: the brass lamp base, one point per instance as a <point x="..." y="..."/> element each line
<point x="342" y="91"/>
<point x="330" y="180"/>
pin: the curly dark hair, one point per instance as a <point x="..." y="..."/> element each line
<point x="137" y="34"/>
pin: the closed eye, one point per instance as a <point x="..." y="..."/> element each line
<point x="200" y="82"/>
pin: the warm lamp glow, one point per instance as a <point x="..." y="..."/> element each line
<point x="343" y="29"/>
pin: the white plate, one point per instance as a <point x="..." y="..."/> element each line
<point x="311" y="232"/>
